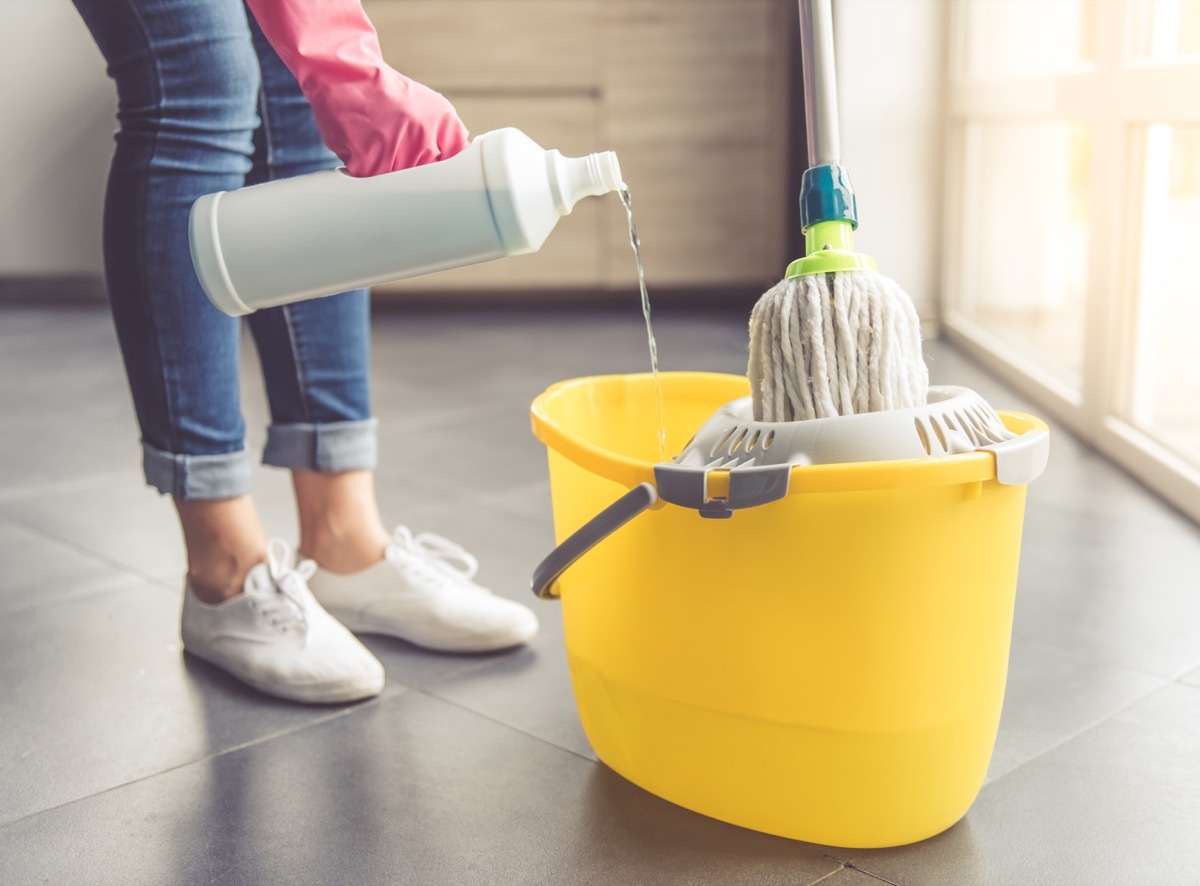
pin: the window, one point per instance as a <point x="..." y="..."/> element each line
<point x="1072" y="259"/>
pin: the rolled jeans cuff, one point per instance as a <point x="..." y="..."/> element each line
<point x="186" y="477"/>
<point x="330" y="447"/>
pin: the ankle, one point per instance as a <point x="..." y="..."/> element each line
<point x="224" y="541"/>
<point x="340" y="526"/>
<point x="343" y="549"/>
<point x="221" y="576"/>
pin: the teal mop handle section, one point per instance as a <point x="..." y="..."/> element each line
<point x="825" y="193"/>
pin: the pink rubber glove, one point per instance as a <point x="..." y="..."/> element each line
<point x="374" y="118"/>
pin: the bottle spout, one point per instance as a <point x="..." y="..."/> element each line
<point x="573" y="178"/>
<point x="607" y="171"/>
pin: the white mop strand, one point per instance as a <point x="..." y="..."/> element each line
<point x="817" y="353"/>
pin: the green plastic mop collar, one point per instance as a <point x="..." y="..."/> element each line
<point x="830" y="248"/>
<point x="829" y="215"/>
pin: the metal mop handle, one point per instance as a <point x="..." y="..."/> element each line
<point x="820" y="82"/>
<point x="825" y="192"/>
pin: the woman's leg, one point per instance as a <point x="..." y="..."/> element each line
<point x="315" y="358"/>
<point x="187" y="81"/>
<point x="340" y="525"/>
<point x="224" y="540"/>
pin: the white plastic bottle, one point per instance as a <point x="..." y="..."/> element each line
<point x="327" y="232"/>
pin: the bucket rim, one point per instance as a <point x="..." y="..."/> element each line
<point x="942" y="470"/>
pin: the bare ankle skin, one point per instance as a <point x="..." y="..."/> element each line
<point x="224" y="540"/>
<point x="340" y="525"/>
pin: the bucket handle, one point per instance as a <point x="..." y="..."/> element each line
<point x="1019" y="460"/>
<point x="679" y="485"/>
<point x="590" y="534"/>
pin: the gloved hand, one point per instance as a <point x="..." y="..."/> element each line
<point x="374" y="118"/>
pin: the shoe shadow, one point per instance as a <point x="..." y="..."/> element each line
<point x="220" y="693"/>
<point x="418" y="667"/>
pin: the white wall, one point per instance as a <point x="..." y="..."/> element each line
<point x="58" y="110"/>
<point x="891" y="70"/>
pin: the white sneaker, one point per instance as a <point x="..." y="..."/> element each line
<point x="422" y="592"/>
<point x="277" y="638"/>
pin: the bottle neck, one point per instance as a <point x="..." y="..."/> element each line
<point x="573" y="178"/>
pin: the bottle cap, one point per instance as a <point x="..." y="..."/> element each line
<point x="573" y="178"/>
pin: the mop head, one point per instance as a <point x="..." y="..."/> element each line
<point x="824" y="345"/>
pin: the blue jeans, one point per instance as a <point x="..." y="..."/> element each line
<point x="206" y="105"/>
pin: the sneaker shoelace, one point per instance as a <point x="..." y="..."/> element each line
<point x="285" y="608"/>
<point x="434" y="556"/>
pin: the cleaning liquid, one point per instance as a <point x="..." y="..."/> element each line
<point x="327" y="232"/>
<point x="627" y="202"/>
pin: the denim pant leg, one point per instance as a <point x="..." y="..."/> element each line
<point x="315" y="354"/>
<point x="187" y="81"/>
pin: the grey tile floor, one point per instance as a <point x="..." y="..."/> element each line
<point x="121" y="762"/>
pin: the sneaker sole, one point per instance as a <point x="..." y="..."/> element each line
<point x="328" y="692"/>
<point x="481" y="643"/>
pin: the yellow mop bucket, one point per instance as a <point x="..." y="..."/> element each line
<point x="827" y="666"/>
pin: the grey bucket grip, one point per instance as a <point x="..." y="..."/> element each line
<point x="588" y="536"/>
<point x="1022" y="459"/>
<point x="748" y="487"/>
<point x="679" y="485"/>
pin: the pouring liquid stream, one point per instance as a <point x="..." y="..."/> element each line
<point x="627" y="202"/>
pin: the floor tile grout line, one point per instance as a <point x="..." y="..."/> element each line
<point x="510" y="727"/>
<point x="878" y="877"/>
<point x="78" y="548"/>
<point x="1084" y="659"/>
<point x="116" y="585"/>
<point x="426" y="691"/>
<point x="18" y="493"/>
<point x="507" y="510"/>
<point x="399" y="692"/>
<point x="825" y="877"/>
<point x="849" y="853"/>
<point x="848" y="865"/>
<point x="846" y="862"/>
<point x="496" y="501"/>
<point x="1084" y="731"/>
<point x="453" y="490"/>
<point x="434" y="682"/>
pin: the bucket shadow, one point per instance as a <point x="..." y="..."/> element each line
<point x="628" y="827"/>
